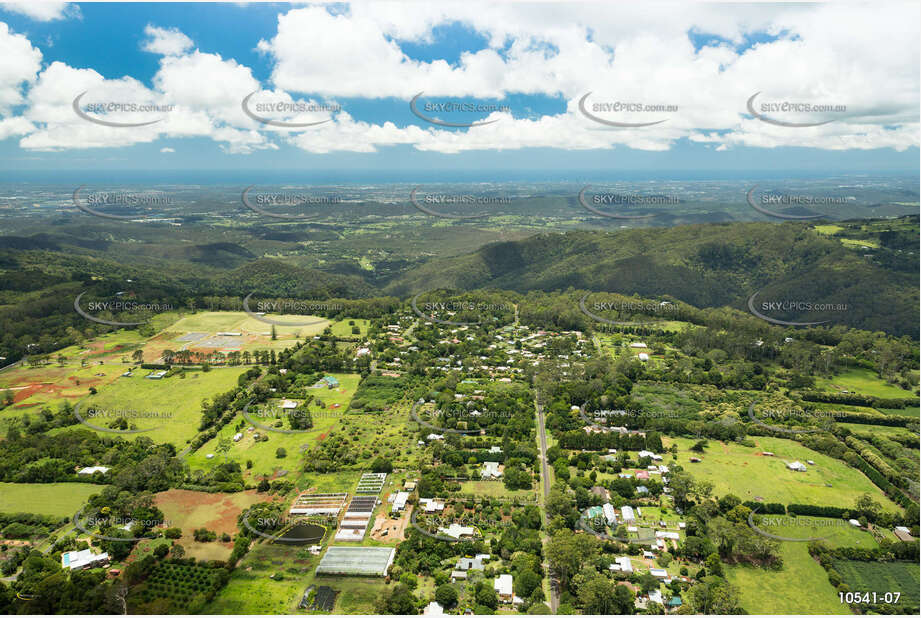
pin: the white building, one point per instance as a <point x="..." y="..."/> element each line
<point x="93" y="469"/>
<point x="797" y="466"/>
<point x="622" y="564"/>
<point x="457" y="531"/>
<point x="627" y="513"/>
<point x="490" y="470"/>
<point x="433" y="609"/>
<point x="609" y="513"/>
<point x="399" y="501"/>
<point x="504" y="588"/>
<point x="83" y="559"/>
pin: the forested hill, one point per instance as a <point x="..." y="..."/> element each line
<point x="706" y="265"/>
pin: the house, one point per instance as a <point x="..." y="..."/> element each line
<point x="492" y="449"/>
<point x="609" y="514"/>
<point x="156" y="375"/>
<point x="287" y="404"/>
<point x="649" y="454"/>
<point x="854" y="523"/>
<point x="434" y="436"/>
<point x="457" y="531"/>
<point x="456" y="575"/>
<point x="84" y="559"/>
<point x="638" y="345"/>
<point x="93" y="470"/>
<point x="399" y="501"/>
<point x="658" y="573"/>
<point x="469" y="564"/>
<point x="431" y="505"/>
<point x="490" y="470"/>
<point x="503" y="586"/>
<point x="903" y="534"/>
<point x="797" y="466"/>
<point x="655" y="596"/>
<point x="642" y="489"/>
<point x="433" y="609"/>
<point x="627" y="513"/>
<point x="237" y="437"/>
<point x="674" y="603"/>
<point x="622" y="564"/>
<point x="643" y="356"/>
<point x="663" y="534"/>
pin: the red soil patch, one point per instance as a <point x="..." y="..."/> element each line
<point x="180" y="504"/>
<point x="322" y="436"/>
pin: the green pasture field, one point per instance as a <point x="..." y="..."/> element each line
<point x="801" y="586"/>
<point x="252" y="590"/>
<point x="176" y="400"/>
<point x="863" y="382"/>
<point x="54" y="499"/>
<point x="342" y="328"/>
<point x="882" y="577"/>
<point x="743" y="471"/>
<point x="263" y="453"/>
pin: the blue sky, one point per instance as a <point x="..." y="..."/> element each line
<point x="371" y="63"/>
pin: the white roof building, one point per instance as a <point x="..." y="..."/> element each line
<point x="622" y="564"/>
<point x="658" y="573"/>
<point x="433" y="609"/>
<point x="490" y="470"/>
<point x="399" y="502"/>
<point x="609" y="513"/>
<point x="798" y="466"/>
<point x="457" y="531"/>
<point x="627" y="513"/>
<point x="93" y="469"/>
<point x="503" y="585"/>
<point x="83" y="559"/>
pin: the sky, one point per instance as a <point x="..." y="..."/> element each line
<point x="559" y="87"/>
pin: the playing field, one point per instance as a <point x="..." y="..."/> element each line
<point x="55" y="499"/>
<point x="169" y="407"/>
<point x="743" y="471"/>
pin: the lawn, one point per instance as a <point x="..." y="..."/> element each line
<point x="743" y="471"/>
<point x="496" y="489"/>
<point x="862" y="381"/>
<point x="263" y="453"/>
<point x="175" y="401"/>
<point x="55" y="499"/>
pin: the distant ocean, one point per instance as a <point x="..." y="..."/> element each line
<point x="383" y="177"/>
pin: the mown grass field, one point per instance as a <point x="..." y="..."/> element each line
<point x="263" y="453"/>
<point x="743" y="471"/>
<point x="862" y="381"/>
<point x="176" y="401"/>
<point x="54" y="499"/>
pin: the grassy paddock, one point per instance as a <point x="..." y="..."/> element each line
<point x="54" y="499"/>
<point x="743" y="471"/>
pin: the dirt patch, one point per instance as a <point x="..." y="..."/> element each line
<point x="195" y="509"/>
<point x="395" y="528"/>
